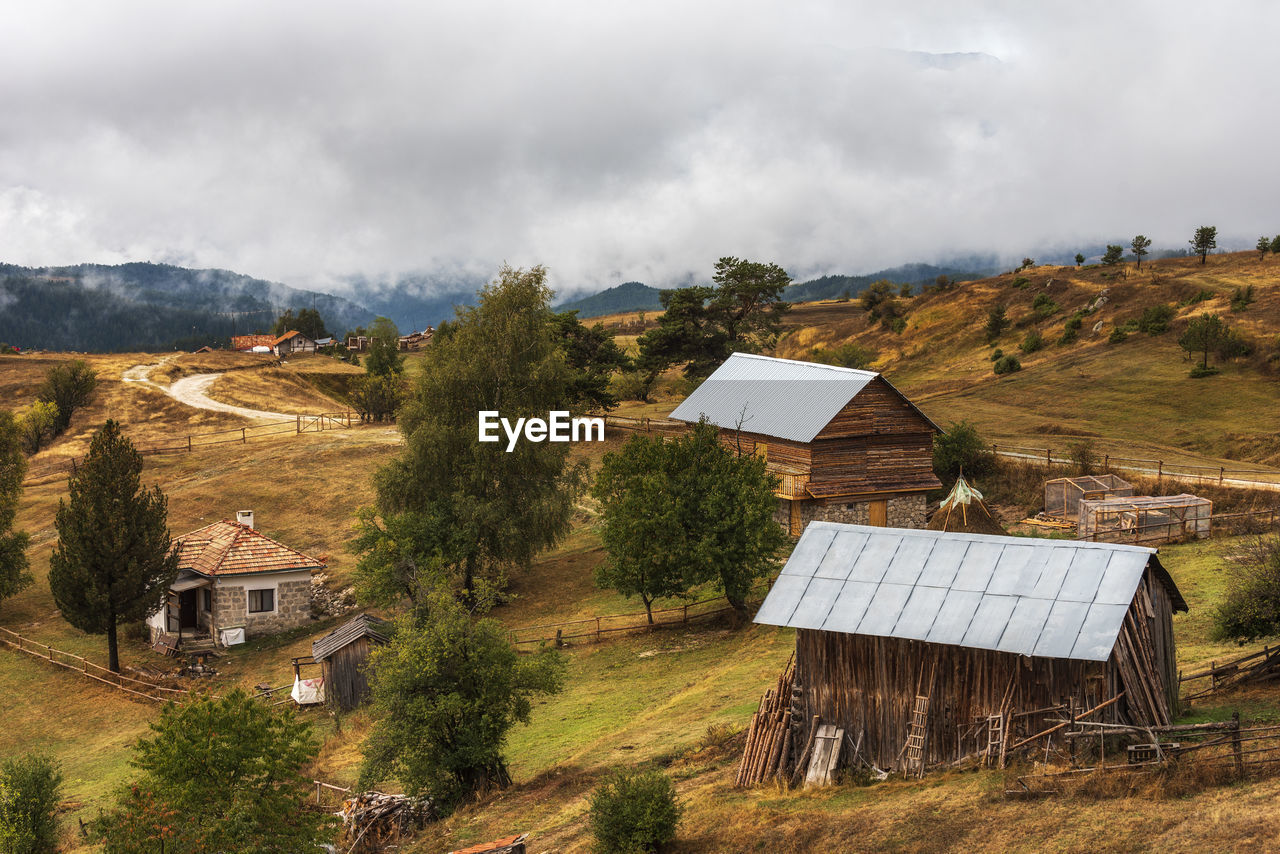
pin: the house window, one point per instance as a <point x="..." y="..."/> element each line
<point x="261" y="601"/>
<point x="206" y="600"/>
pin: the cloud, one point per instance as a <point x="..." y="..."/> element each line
<point x="309" y="142"/>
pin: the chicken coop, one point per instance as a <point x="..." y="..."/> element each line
<point x="1144" y="519"/>
<point x="1062" y="496"/>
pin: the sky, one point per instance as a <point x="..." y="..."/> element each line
<point x="310" y="142"/>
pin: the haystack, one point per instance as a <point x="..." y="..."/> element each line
<point x="963" y="511"/>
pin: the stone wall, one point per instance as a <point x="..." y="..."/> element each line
<point x="292" y="600"/>
<point x="906" y="511"/>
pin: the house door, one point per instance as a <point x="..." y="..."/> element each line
<point x="879" y="511"/>
<point x="187" y="609"/>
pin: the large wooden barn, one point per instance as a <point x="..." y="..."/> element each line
<point x="846" y="445"/>
<point x="981" y="626"/>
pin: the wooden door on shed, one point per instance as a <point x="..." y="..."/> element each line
<point x="879" y="511"/>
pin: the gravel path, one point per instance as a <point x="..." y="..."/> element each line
<point x="193" y="391"/>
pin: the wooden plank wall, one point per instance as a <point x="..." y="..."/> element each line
<point x="346" y="683"/>
<point x="877" y="410"/>
<point x="867" y="685"/>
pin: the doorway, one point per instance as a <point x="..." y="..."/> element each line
<point x="187" y="609"/>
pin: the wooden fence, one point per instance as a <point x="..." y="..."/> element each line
<point x="236" y="435"/>
<point x="1260" y="666"/>
<point x="596" y="629"/>
<point x="78" y="664"/>
<point x="1252" y="478"/>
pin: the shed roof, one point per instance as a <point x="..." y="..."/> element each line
<point x="1052" y="598"/>
<point x="775" y="397"/>
<point x="362" y="625"/>
<point x="230" y="548"/>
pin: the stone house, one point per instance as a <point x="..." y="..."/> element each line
<point x="845" y="444"/>
<point x="291" y="342"/>
<point x="234" y="583"/>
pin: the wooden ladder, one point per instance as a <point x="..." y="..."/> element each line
<point x="994" y="754"/>
<point x="916" y="735"/>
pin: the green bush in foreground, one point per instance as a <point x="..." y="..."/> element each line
<point x="28" y="800"/>
<point x="1007" y="365"/>
<point x="634" y="811"/>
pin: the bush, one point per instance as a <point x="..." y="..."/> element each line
<point x="1251" y="609"/>
<point x="997" y="354"/>
<point x="1021" y="282"/>
<point x="1007" y="365"/>
<point x="1117" y="336"/>
<point x="1201" y="371"/>
<point x="961" y="448"/>
<point x="1033" y="342"/>
<point x="1199" y="297"/>
<point x="28" y="800"/>
<point x="847" y="355"/>
<point x="1243" y="296"/>
<point x="1155" y="319"/>
<point x="634" y="811"/>
<point x="1043" y="305"/>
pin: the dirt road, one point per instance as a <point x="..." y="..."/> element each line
<point x="193" y="391"/>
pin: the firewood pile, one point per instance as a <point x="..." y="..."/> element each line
<point x="372" y="820"/>
<point x="768" y="746"/>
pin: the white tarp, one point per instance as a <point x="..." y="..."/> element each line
<point x="231" y="637"/>
<point x="307" y="692"/>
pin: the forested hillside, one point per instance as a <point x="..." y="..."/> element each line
<point x="98" y="308"/>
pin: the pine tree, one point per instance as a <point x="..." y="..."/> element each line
<point x="1204" y="241"/>
<point x="13" y="544"/>
<point x="114" y="559"/>
<point x="1141" y="246"/>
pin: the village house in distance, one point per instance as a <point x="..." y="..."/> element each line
<point x="234" y="583"/>
<point x="846" y="445"/>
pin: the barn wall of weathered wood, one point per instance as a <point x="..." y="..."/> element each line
<point x="867" y="685"/>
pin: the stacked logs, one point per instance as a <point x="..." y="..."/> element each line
<point x="769" y="735"/>
<point x="371" y="820"/>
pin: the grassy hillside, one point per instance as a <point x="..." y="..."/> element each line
<point x="1134" y="396"/>
<point x="678" y="699"/>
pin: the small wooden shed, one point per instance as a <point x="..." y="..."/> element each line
<point x="343" y="656"/>
<point x="956" y="638"/>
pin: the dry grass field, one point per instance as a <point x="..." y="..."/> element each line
<point x="674" y="698"/>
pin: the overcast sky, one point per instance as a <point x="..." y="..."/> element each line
<point x="308" y="141"/>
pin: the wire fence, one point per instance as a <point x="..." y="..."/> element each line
<point x="185" y="444"/>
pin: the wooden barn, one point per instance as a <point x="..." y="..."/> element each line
<point x="958" y="639"/>
<point x="845" y="444"/>
<point x="343" y="655"/>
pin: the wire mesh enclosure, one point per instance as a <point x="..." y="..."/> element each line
<point x="1062" y="496"/>
<point x="1145" y="519"/>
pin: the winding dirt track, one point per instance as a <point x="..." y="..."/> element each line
<point x="193" y="391"/>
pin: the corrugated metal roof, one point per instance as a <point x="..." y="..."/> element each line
<point x="1055" y="598"/>
<point x="773" y="397"/>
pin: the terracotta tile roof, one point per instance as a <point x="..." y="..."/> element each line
<point x="248" y="342"/>
<point x="230" y="548"/>
<point x="285" y="337"/>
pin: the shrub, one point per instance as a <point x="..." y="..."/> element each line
<point x="1251" y="609"/>
<point x="1033" y="342"/>
<point x="1201" y="296"/>
<point x="1155" y="319"/>
<point x="997" y="354"/>
<point x="847" y="355"/>
<point x="1243" y="296"/>
<point x="1233" y="345"/>
<point x="997" y="322"/>
<point x="1202" y="371"/>
<point x="896" y="325"/>
<point x="1043" y="306"/>
<point x="28" y="800"/>
<point x="961" y="448"/>
<point x="1007" y="365"/>
<point x="634" y="811"/>
<point x="1083" y="456"/>
<point x="1117" y="336"/>
<point x="1021" y="282"/>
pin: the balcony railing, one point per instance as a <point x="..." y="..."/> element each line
<point x="792" y="485"/>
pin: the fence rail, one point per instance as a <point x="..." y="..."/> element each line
<point x="298" y="425"/>
<point x="1251" y="478"/>
<point x="596" y="629"/>
<point x="79" y="664"/>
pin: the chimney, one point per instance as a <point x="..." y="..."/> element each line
<point x="245" y="517"/>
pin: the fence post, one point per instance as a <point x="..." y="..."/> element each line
<point x="297" y="420"/>
<point x="1235" y="743"/>
<point x="1048" y="458"/>
<point x="686" y="613"/>
<point x="243" y="440"/>
<point x="1106" y="462"/>
<point x="1159" y="472"/>
<point x="597" y="629"/>
<point x="188" y="443"/>
<point x="1222" y="471"/>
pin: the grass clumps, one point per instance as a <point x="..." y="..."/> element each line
<point x="1032" y="342"/>
<point x="1156" y="319"/>
<point x="634" y="811"/>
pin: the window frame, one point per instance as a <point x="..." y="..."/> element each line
<point x="260" y="590"/>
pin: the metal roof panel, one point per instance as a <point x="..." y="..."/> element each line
<point x="884" y="610"/>
<point x="954" y="616"/>
<point x="989" y="621"/>
<point x="979" y="563"/>
<point x="1061" y="629"/>
<point x="1025" y="625"/>
<point x="919" y="614"/>
<point x="850" y="607"/>
<point x="841" y="555"/>
<point x="909" y="560"/>
<point x="1099" y="631"/>
<point x="814" y="606"/>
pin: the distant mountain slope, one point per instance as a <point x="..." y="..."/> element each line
<point x="142" y="306"/>
<point x="832" y="287"/>
<point x="628" y="296"/>
<point x="414" y="301"/>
